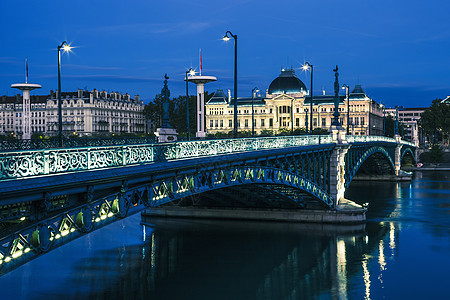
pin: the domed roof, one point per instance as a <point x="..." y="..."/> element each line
<point x="286" y="83"/>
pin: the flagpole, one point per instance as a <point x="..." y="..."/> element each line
<point x="201" y="62"/>
<point x="26" y="70"/>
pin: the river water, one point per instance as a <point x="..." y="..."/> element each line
<point x="402" y="252"/>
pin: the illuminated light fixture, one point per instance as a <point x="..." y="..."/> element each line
<point x="72" y="229"/>
<point x="7" y="259"/>
<point x="103" y="217"/>
<point x="22" y="219"/>
<point x="1" y="261"/>
<point x="110" y="215"/>
<point x="226" y="38"/>
<point x="97" y="220"/>
<point x="66" y="47"/>
<point x="65" y="232"/>
<point x="27" y="250"/>
<point x="57" y="236"/>
<point x="17" y="254"/>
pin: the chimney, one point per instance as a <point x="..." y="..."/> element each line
<point x="91" y="97"/>
<point x="51" y="93"/>
<point x="323" y="91"/>
<point x="229" y="95"/>
<point x="136" y="97"/>
<point x="80" y="93"/>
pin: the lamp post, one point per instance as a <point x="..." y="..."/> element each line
<point x="65" y="47"/>
<point x="336" y="99"/>
<point x="190" y="72"/>
<point x="255" y="89"/>
<point x="346" y="87"/>
<point x="306" y="120"/>
<point x="305" y="67"/>
<point x="227" y="38"/>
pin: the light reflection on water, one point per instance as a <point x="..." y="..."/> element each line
<point x="402" y="252"/>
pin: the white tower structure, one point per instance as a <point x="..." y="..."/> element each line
<point x="200" y="81"/>
<point x="26" y="106"/>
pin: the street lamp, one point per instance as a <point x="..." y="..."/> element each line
<point x="66" y="48"/>
<point x="192" y="73"/>
<point x="305" y="67"/>
<point x="306" y="120"/>
<point x="255" y="89"/>
<point x="346" y="87"/>
<point x="227" y="38"/>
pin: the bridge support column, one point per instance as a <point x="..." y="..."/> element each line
<point x="397" y="155"/>
<point x="337" y="173"/>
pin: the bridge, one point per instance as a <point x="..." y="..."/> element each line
<point x="50" y="197"/>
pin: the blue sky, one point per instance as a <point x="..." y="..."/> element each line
<point x="397" y="50"/>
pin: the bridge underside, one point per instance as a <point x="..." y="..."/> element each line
<point x="263" y="196"/>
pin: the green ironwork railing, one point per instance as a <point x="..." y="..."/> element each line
<point x="20" y="164"/>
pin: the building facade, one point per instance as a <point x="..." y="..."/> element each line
<point x="286" y="106"/>
<point x="84" y="113"/>
<point x="409" y="117"/>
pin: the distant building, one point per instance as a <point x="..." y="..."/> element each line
<point x="409" y="117"/>
<point x="84" y="113"/>
<point x="286" y="93"/>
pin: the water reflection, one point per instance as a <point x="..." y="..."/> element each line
<point x="185" y="259"/>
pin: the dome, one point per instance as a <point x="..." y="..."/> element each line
<point x="287" y="83"/>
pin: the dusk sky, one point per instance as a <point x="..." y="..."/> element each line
<point x="397" y="50"/>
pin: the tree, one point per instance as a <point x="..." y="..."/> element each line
<point x="435" y="121"/>
<point x="177" y="113"/>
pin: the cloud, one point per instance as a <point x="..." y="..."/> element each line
<point x="148" y="30"/>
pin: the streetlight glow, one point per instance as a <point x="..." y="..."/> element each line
<point x="66" y="48"/>
<point x="226" y="38"/>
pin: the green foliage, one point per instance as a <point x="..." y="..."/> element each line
<point x="177" y="113"/>
<point x="436" y="153"/>
<point x="320" y="131"/>
<point x="221" y="135"/>
<point x="389" y="127"/>
<point x="266" y="132"/>
<point x="435" y="121"/>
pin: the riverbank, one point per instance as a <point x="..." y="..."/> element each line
<point x="433" y="167"/>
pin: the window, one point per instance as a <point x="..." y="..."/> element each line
<point x="262" y="122"/>
<point x="221" y="123"/>
<point x="315" y="122"/>
<point x="217" y="123"/>
<point x="362" y="121"/>
<point x="230" y="123"/>
<point x="270" y="122"/>
<point x="246" y="123"/>
<point x="211" y="123"/>
<point x="297" y="122"/>
<point x="324" y="122"/>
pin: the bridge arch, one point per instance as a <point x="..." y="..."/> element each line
<point x="406" y="151"/>
<point x="357" y="160"/>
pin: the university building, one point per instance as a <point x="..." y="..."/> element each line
<point x="84" y="113"/>
<point x="286" y="106"/>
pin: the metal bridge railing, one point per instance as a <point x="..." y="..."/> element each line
<point x="20" y="164"/>
<point x="372" y="138"/>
